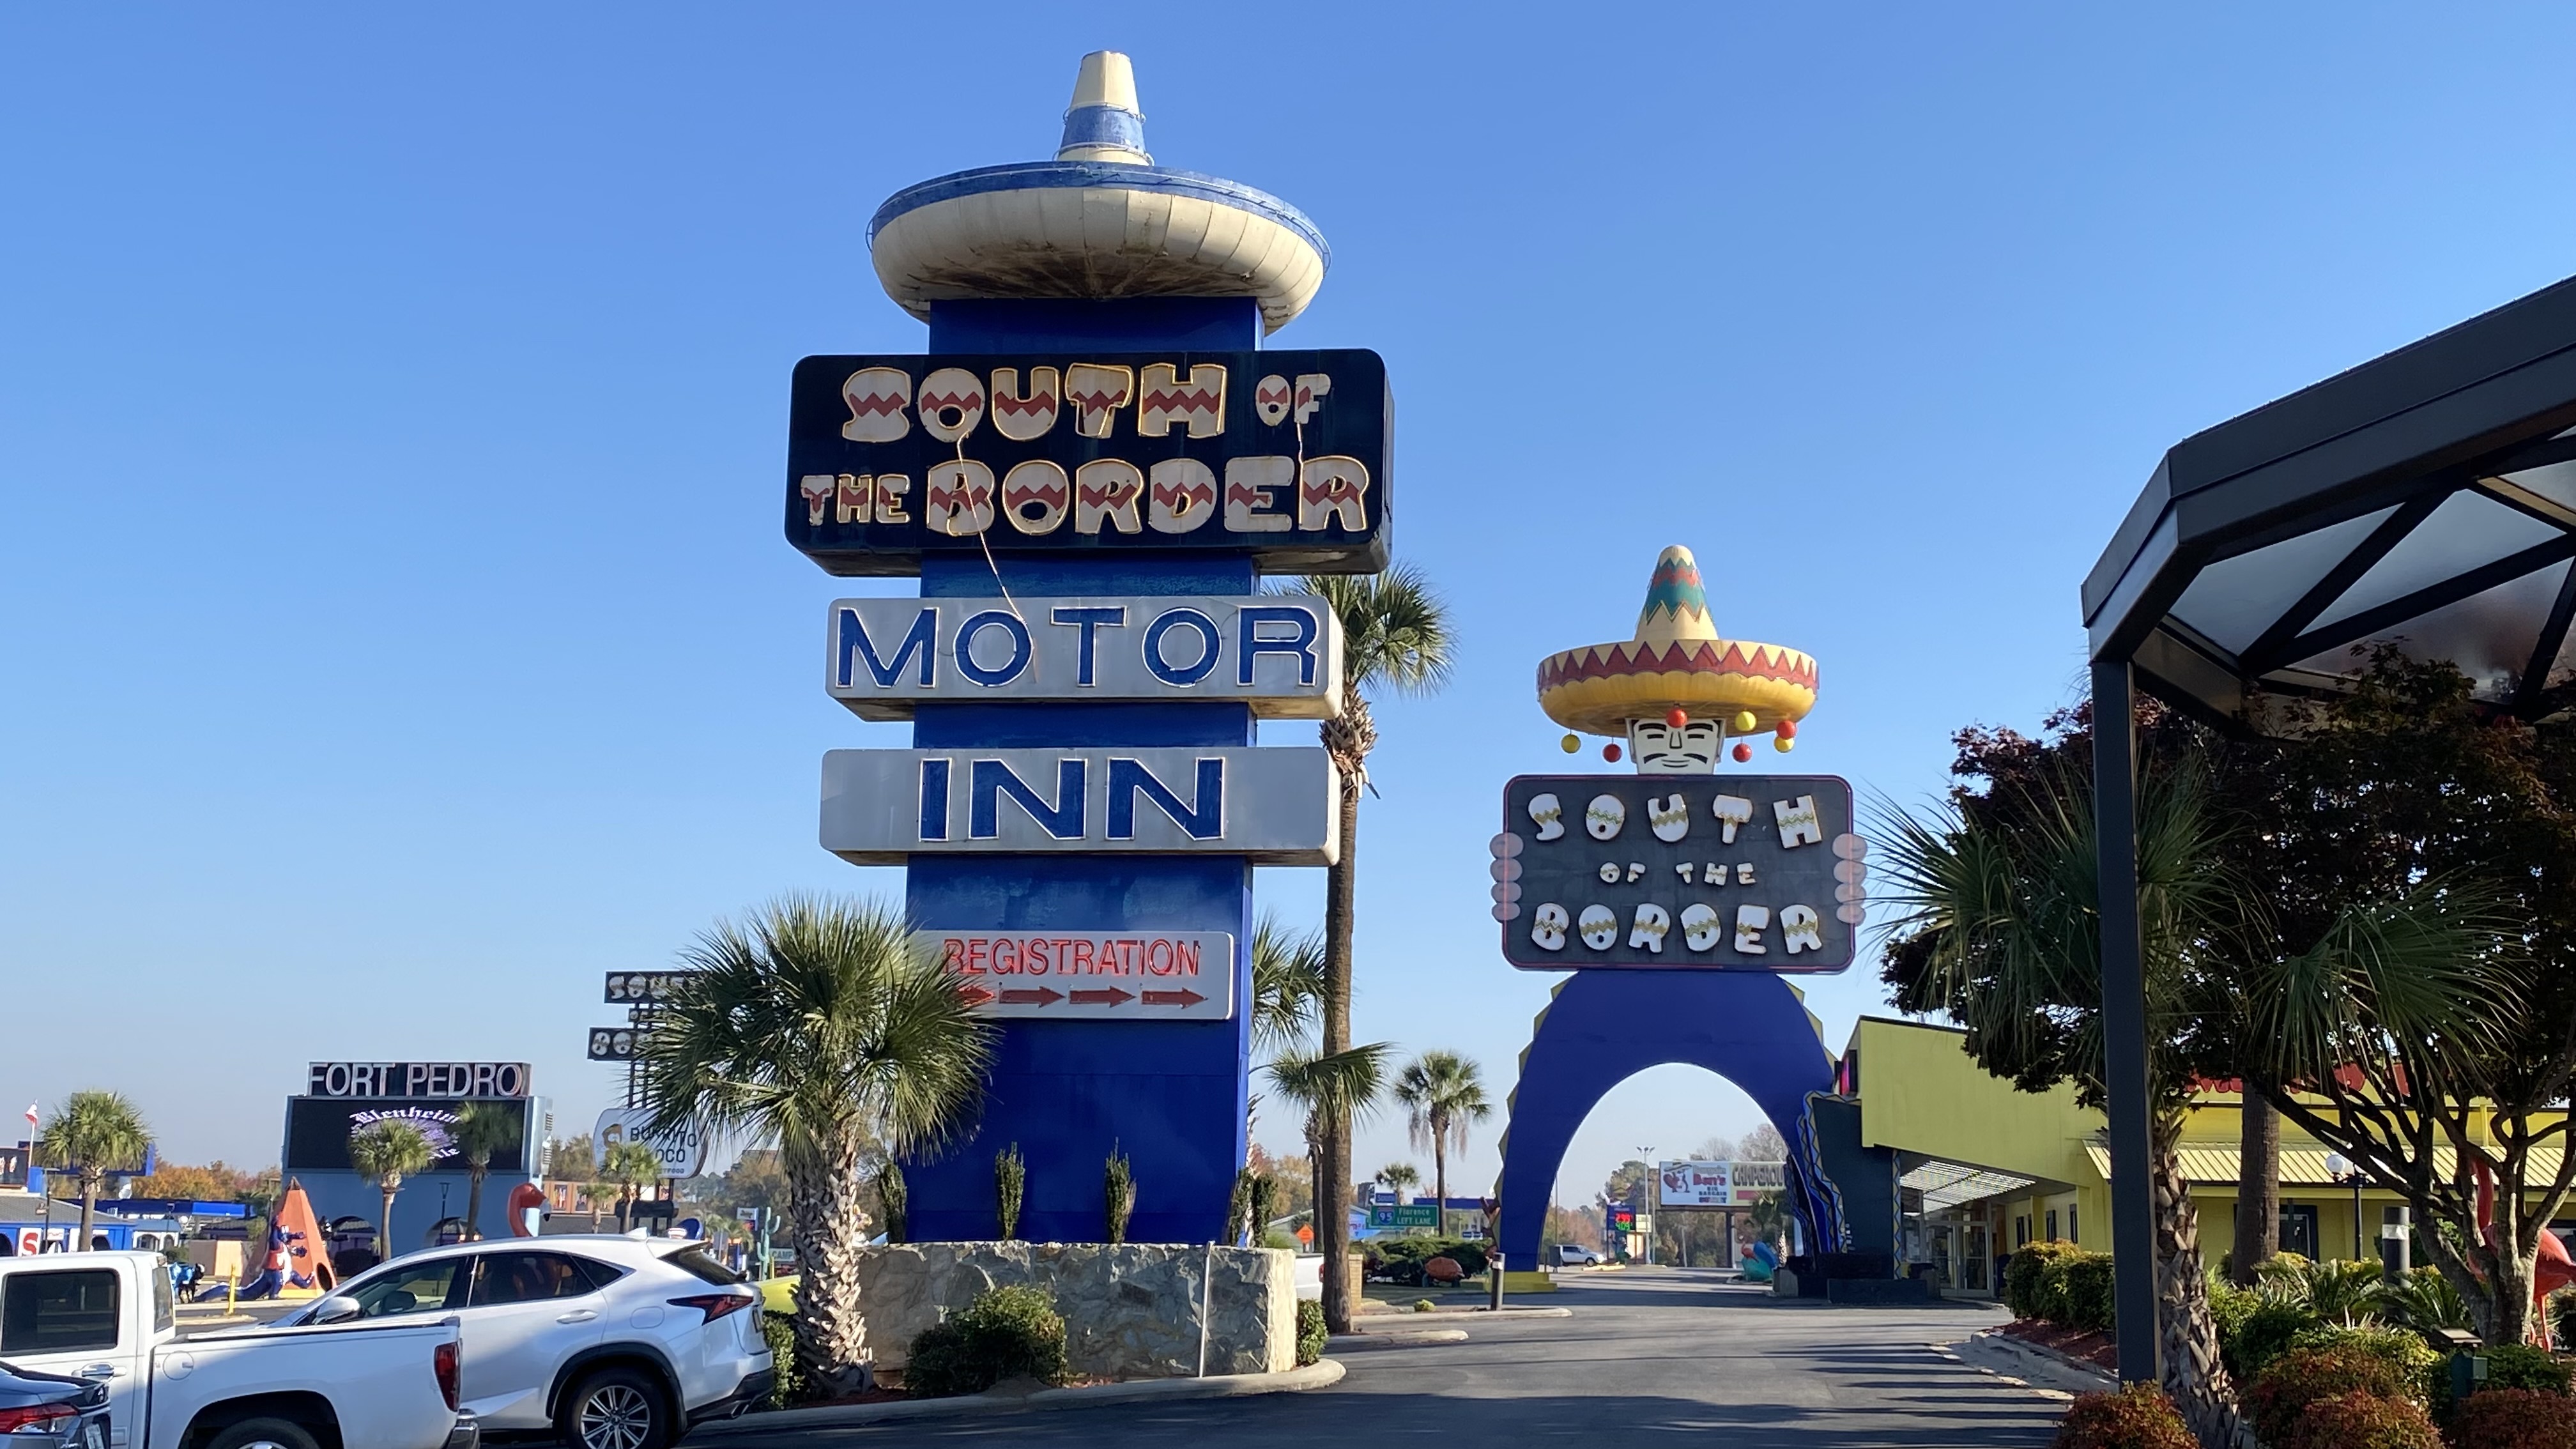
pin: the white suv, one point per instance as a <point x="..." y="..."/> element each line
<point x="612" y="1342"/>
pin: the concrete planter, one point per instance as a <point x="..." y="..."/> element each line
<point x="1132" y="1311"/>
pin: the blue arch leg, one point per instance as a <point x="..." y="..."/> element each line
<point x="1604" y="1027"/>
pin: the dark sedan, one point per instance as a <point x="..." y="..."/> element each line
<point x="49" y="1411"/>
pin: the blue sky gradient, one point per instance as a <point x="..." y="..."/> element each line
<point x="396" y="627"/>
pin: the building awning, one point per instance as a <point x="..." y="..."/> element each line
<point x="1947" y="1184"/>
<point x="2216" y="1165"/>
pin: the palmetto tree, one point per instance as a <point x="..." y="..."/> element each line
<point x="1396" y="637"/>
<point x="91" y="1135"/>
<point x="389" y="1150"/>
<point x="1335" y="1090"/>
<point x="483" y="1131"/>
<point x="2003" y="908"/>
<point x="630" y="1165"/>
<point x="816" y="1025"/>
<point x="1400" y="1178"/>
<point x="1287" y="985"/>
<point x="1442" y="1093"/>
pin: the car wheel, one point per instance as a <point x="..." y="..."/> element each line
<point x="618" y="1408"/>
<point x="263" y="1434"/>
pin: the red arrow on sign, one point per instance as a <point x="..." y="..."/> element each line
<point x="974" y="995"/>
<point x="1041" y="997"/>
<point x="1173" y="998"/>
<point x="1111" y="997"/>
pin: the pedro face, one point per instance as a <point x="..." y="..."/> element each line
<point x="1660" y="749"/>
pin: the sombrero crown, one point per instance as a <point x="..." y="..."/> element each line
<point x="1676" y="661"/>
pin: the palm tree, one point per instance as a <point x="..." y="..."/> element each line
<point x="2001" y="907"/>
<point x="1395" y="636"/>
<point x="483" y="1129"/>
<point x="389" y="1150"/>
<point x="815" y="1024"/>
<point x="1442" y="1093"/>
<point x="91" y="1135"/>
<point x="1400" y="1178"/>
<point x="630" y="1165"/>
<point x="1335" y="1090"/>
<point x="1287" y="985"/>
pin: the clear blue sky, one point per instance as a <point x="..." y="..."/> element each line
<point x="396" y="628"/>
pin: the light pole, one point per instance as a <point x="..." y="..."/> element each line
<point x="1646" y="1189"/>
<point x="2342" y="1170"/>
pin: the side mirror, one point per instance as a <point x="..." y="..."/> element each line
<point x="335" y="1310"/>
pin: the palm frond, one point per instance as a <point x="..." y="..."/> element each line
<point x="1395" y="628"/>
<point x="1333" y="1088"/>
<point x="1287" y="985"/>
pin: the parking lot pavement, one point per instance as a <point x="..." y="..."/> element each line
<point x="1654" y="1351"/>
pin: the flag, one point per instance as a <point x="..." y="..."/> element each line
<point x="32" y="1118"/>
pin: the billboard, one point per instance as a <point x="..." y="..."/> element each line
<point x="1718" y="1184"/>
<point x="1701" y="872"/>
<point x="1282" y="455"/>
<point x="318" y="1128"/>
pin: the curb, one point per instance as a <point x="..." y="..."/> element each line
<point x="1401" y="1338"/>
<point x="1467" y="1315"/>
<point x="1321" y="1374"/>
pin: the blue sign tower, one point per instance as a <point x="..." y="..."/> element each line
<point x="1089" y="472"/>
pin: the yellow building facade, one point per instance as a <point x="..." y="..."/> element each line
<point x="1984" y="1169"/>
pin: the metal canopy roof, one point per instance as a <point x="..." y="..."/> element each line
<point x="2427" y="497"/>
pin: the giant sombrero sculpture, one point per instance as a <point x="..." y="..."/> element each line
<point x="1101" y="220"/>
<point x="1677" y="690"/>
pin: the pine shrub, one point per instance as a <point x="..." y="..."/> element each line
<point x="1010" y="1188"/>
<point x="2305" y="1376"/>
<point x="1311" y="1332"/>
<point x="2137" y="1417"/>
<point x="892" y="1199"/>
<point x="1006" y="1333"/>
<point x="1238" y="1211"/>
<point x="2514" y="1419"/>
<point x="1118" y="1195"/>
<point x="2362" y="1421"/>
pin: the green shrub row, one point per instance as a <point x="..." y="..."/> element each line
<point x="1311" y="1332"/>
<point x="1006" y="1333"/>
<point x="2061" y="1283"/>
<point x="1400" y="1259"/>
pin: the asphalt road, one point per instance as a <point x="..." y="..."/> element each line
<point x="1653" y="1351"/>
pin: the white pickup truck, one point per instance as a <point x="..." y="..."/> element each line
<point x="112" y="1316"/>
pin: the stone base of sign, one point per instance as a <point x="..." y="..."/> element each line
<point x="1132" y="1311"/>
<point x="1320" y="1375"/>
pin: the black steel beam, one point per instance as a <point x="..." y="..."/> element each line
<point x="2346" y="572"/>
<point x="2544" y="650"/>
<point x="2415" y="605"/>
<point x="2124" y="1022"/>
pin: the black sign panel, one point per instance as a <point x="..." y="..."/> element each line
<point x="613" y="1043"/>
<point x="1727" y="872"/>
<point x="1286" y="456"/>
<point x="642" y="988"/>
<point x="318" y="1128"/>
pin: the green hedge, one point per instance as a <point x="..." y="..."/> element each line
<point x="1006" y="1333"/>
<point x="780" y="1330"/>
<point x="1312" y="1335"/>
<point x="2035" y="1283"/>
<point x="1400" y="1259"/>
<point x="2086" y="1288"/>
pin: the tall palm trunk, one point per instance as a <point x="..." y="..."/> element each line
<point x="2258" y="1186"/>
<point x="385" y="1234"/>
<point x="825" y="1186"/>
<point x="2193" y="1374"/>
<point x="1333" y="1171"/>
<point x="89" y="1182"/>
<point x="474" y="1205"/>
<point x="1440" y="1171"/>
